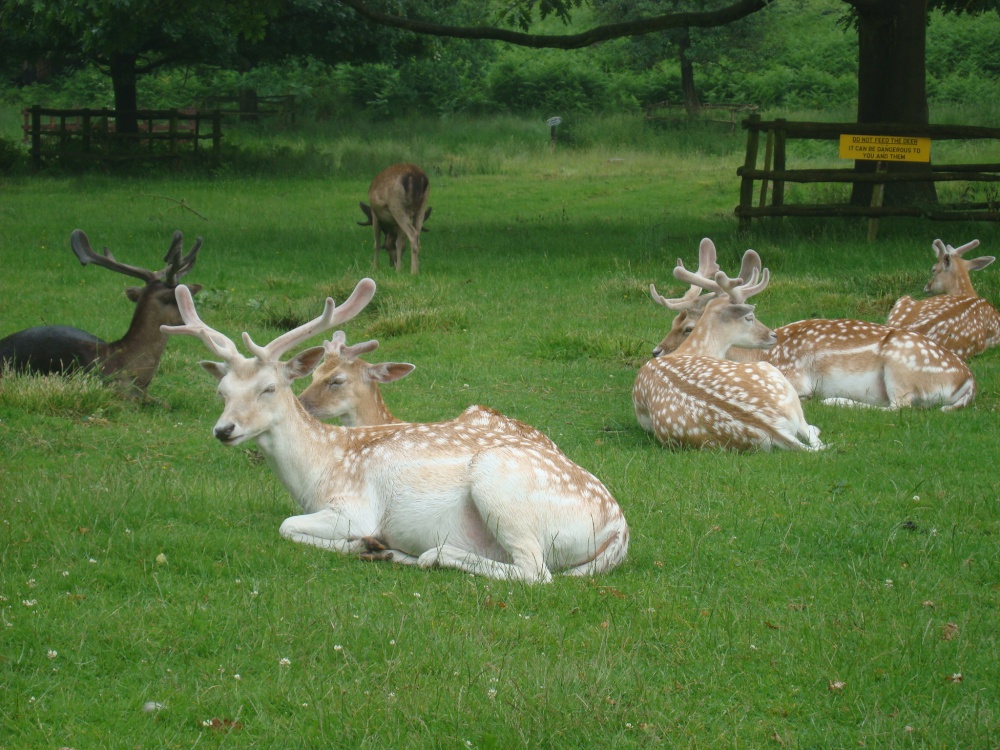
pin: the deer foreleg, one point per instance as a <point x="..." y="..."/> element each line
<point x="328" y="529"/>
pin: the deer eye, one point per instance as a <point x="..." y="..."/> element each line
<point x="269" y="390"/>
<point x="688" y="329"/>
<point x="337" y="381"/>
<point x="749" y="318"/>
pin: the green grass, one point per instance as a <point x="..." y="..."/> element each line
<point x="146" y="558"/>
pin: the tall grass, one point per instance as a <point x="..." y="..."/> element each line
<point x="846" y="598"/>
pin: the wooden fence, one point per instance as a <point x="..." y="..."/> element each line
<point x="776" y="173"/>
<point x="669" y="112"/>
<point x="91" y="135"/>
<point x="249" y="107"/>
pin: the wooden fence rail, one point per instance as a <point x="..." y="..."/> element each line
<point x="776" y="173"/>
<point x="92" y="135"/>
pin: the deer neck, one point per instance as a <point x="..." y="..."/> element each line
<point x="960" y="284"/>
<point x="135" y="357"/>
<point x="371" y="410"/>
<point x="303" y="453"/>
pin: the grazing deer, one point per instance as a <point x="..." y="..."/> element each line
<point x="398" y="197"/>
<point x="694" y="397"/>
<point x="446" y="494"/>
<point x="957" y="317"/>
<point x="844" y="362"/>
<point x="346" y="388"/>
<point x="131" y="361"/>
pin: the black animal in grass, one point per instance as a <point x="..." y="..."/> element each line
<point x="131" y="361"/>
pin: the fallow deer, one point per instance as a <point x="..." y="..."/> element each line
<point x="957" y="317"/>
<point x="448" y="494"/>
<point x="346" y="387"/>
<point x="398" y="197"/>
<point x="843" y="362"/>
<point x="131" y="361"/>
<point x="694" y="397"/>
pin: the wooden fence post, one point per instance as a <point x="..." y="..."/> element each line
<point x="749" y="164"/>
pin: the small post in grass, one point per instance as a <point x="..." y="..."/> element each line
<point x="552" y="122"/>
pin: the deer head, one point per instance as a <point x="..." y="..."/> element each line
<point x="256" y="390"/>
<point x="950" y="274"/>
<point x="734" y="319"/>
<point x="346" y="387"/>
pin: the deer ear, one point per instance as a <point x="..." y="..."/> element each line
<point x="217" y="369"/>
<point x="134" y="292"/>
<point x="978" y="264"/>
<point x="304" y="362"/>
<point x="388" y="372"/>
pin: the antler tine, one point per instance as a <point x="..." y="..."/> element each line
<point x="740" y="291"/>
<point x="940" y="250"/>
<point x="751" y="260"/>
<point x="332" y="315"/>
<point x="339" y="348"/>
<point x="708" y="264"/>
<point x="961" y="250"/>
<point x="81" y="247"/>
<point x="178" y="264"/>
<point x="220" y="344"/>
<point x="696" y="280"/>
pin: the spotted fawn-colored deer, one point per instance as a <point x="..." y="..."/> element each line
<point x="397" y="209"/>
<point x="845" y="362"/>
<point x="956" y="317"/>
<point x="694" y="397"/>
<point x="447" y="494"/>
<point x="131" y="361"/>
<point x="346" y="387"/>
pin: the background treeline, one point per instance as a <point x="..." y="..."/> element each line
<point x="796" y="55"/>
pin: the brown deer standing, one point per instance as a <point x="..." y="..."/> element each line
<point x="346" y="387"/>
<point x="843" y="362"/>
<point x="398" y="197"/>
<point x="131" y="361"/>
<point x="446" y="494"/>
<point x="957" y="318"/>
<point x="693" y="397"/>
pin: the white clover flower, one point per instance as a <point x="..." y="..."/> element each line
<point x="338" y="647"/>
<point x="888" y="583"/>
<point x="29" y="602"/>
<point x="283" y="662"/>
<point x="52" y="654"/>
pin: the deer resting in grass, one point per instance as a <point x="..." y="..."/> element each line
<point x="131" y="361"/>
<point x="843" y="362"/>
<point x="694" y="397"/>
<point x="957" y="317"/>
<point x="398" y="207"/>
<point x="346" y="387"/>
<point x="448" y="494"/>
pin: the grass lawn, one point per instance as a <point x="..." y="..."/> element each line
<point x="847" y="598"/>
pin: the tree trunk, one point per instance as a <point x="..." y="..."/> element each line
<point x="691" y="102"/>
<point x="123" y="81"/>
<point x="892" y="45"/>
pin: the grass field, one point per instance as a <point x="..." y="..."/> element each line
<point x="847" y="598"/>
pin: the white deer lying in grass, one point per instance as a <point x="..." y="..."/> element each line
<point x="843" y="362"/>
<point x="447" y="494"/>
<point x="346" y="387"/>
<point x="694" y="397"/>
<point x="957" y="317"/>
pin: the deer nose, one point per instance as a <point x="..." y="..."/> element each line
<point x="224" y="432"/>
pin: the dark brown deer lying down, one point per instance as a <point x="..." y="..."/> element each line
<point x="398" y="197"/>
<point x="131" y="361"/>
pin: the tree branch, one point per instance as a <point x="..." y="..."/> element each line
<point x="739" y="9"/>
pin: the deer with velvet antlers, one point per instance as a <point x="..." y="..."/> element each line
<point x="843" y="362"/>
<point x="957" y="317"/>
<point x="131" y="361"/>
<point x="447" y="494"/>
<point x="398" y="208"/>
<point x="694" y="397"/>
<point x="346" y="387"/>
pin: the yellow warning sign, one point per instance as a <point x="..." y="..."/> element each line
<point x="885" y="148"/>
